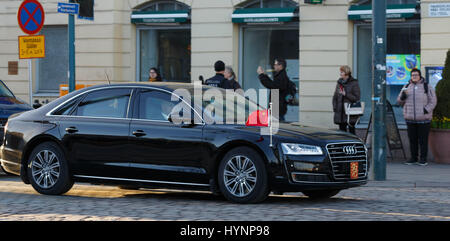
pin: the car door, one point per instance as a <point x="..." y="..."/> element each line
<point x="95" y="133"/>
<point x="164" y="151"/>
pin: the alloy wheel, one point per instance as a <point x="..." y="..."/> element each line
<point x="45" y="169"/>
<point x="240" y="176"/>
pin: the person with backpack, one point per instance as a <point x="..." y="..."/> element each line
<point x="347" y="91"/>
<point x="418" y="100"/>
<point x="280" y="81"/>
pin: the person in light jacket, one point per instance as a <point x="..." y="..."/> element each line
<point x="418" y="100"/>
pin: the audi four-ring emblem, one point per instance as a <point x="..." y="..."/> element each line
<point x="349" y="150"/>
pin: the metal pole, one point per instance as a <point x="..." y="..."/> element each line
<point x="379" y="89"/>
<point x="30" y="78"/>
<point x="71" y="31"/>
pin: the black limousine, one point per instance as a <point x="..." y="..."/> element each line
<point x="123" y="135"/>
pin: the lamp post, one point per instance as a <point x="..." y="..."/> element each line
<point x="379" y="89"/>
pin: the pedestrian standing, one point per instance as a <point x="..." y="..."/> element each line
<point x="231" y="78"/>
<point x="218" y="80"/>
<point x="418" y="100"/>
<point x="154" y="75"/>
<point x="280" y="82"/>
<point x="346" y="92"/>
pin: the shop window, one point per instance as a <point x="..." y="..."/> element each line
<point x="263" y="43"/>
<point x="164" y="43"/>
<point x="269" y="4"/>
<point x="52" y="70"/>
<point x="163" y="6"/>
<point x="402" y="39"/>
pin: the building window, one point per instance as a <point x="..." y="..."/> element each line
<point x="262" y="43"/>
<point x="167" y="49"/>
<point x="52" y="70"/>
<point x="164" y="43"/>
<point x="402" y="39"/>
<point x="269" y="4"/>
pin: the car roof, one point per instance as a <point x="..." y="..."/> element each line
<point x="161" y="85"/>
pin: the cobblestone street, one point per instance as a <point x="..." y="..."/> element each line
<point x="376" y="201"/>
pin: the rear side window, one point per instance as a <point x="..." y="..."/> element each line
<point x="67" y="108"/>
<point x="105" y="103"/>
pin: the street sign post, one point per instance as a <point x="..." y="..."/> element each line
<point x="69" y="8"/>
<point x="31" y="16"/>
<point x="31" y="47"/>
<point x="379" y="89"/>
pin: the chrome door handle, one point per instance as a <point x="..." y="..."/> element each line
<point x="71" y="129"/>
<point x="139" y="133"/>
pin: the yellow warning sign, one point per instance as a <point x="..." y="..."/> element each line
<point x="31" y="47"/>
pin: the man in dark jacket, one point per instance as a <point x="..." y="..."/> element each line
<point x="280" y="82"/>
<point x="219" y="79"/>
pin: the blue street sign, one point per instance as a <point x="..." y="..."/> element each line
<point x="69" y="8"/>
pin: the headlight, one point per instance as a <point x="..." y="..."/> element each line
<point x="300" y="149"/>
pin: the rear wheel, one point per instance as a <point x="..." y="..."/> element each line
<point x="242" y="176"/>
<point x="48" y="170"/>
<point x="321" y="194"/>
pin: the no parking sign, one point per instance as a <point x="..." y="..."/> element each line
<point x="31" y="16"/>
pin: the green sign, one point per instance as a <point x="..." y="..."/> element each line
<point x="263" y="15"/>
<point x="313" y="1"/>
<point x="364" y="12"/>
<point x="160" y="17"/>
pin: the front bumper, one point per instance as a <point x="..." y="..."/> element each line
<point x="334" y="170"/>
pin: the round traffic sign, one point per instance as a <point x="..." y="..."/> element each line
<point x="31" y="16"/>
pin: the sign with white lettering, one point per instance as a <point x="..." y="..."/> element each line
<point x="436" y="10"/>
<point x="69" y="8"/>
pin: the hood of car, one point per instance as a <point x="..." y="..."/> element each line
<point x="10" y="105"/>
<point x="305" y="133"/>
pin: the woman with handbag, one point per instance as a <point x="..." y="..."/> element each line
<point x="347" y="92"/>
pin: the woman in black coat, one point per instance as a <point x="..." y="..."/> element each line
<point x="347" y="91"/>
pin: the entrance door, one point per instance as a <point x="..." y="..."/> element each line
<point x="260" y="47"/>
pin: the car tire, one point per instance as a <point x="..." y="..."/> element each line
<point x="321" y="194"/>
<point x="48" y="170"/>
<point x="242" y="176"/>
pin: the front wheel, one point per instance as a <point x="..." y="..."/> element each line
<point x="321" y="194"/>
<point x="242" y="176"/>
<point x="48" y="170"/>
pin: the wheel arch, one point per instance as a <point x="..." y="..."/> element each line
<point x="28" y="149"/>
<point x="224" y="149"/>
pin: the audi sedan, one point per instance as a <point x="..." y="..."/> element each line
<point x="127" y="135"/>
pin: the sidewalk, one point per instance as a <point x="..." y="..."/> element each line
<point x="401" y="175"/>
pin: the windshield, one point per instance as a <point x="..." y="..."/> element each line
<point x="4" y="91"/>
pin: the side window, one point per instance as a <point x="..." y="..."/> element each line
<point x="105" y="103"/>
<point x="67" y="108"/>
<point x="155" y="105"/>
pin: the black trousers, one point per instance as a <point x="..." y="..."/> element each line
<point x="418" y="138"/>
<point x="343" y="127"/>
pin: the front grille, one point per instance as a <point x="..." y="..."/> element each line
<point x="342" y="155"/>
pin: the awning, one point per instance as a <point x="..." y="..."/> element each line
<point x="263" y="15"/>
<point x="392" y="11"/>
<point x="160" y="17"/>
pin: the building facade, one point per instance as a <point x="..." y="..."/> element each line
<point x="184" y="38"/>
